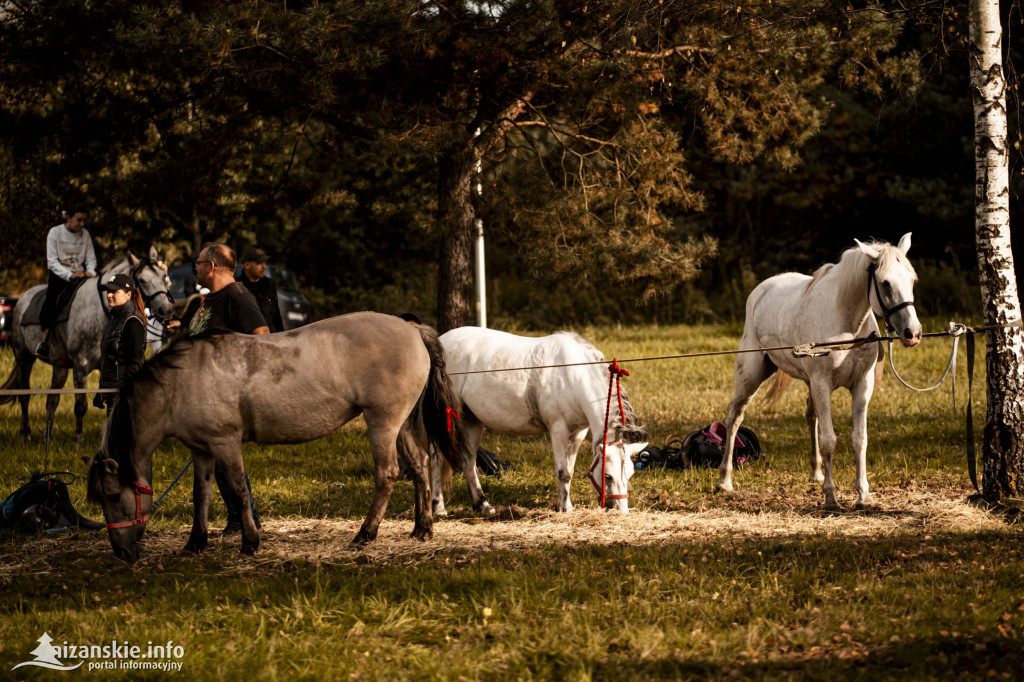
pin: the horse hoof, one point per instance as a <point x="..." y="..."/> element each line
<point x="723" y="487"/>
<point x="487" y="509"/>
<point x="194" y="547"/>
<point x="865" y="505"/>
<point x="833" y="507"/>
<point x="422" y="534"/>
<point x="362" y="538"/>
<point x="816" y="478"/>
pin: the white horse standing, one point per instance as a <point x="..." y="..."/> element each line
<point x="564" y="401"/>
<point x="839" y="302"/>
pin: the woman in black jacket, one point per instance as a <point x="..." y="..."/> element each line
<point x="124" y="341"/>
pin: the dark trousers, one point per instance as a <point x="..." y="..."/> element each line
<point x="232" y="501"/>
<point x="55" y="286"/>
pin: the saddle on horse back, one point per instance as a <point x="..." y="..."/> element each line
<point x="35" y="307"/>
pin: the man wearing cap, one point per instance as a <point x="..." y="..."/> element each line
<point x="124" y="340"/>
<point x="254" y="270"/>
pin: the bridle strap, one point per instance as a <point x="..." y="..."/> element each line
<point x="886" y="312"/>
<point x="616" y="372"/>
<point x="140" y="490"/>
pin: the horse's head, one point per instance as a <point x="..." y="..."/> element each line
<point x="154" y="285"/>
<point x="891" y="280"/>
<point x="618" y="469"/>
<point x="118" y="485"/>
<point x="126" y="505"/>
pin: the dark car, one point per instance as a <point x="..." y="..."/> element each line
<point x="294" y="306"/>
<point x="6" y="317"/>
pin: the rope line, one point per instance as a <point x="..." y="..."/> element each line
<point x="805" y="349"/>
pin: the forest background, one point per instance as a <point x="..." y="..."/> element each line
<point x="639" y="160"/>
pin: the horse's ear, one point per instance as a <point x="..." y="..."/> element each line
<point x="869" y="251"/>
<point x="133" y="261"/>
<point x="904" y="244"/>
<point x="110" y="466"/>
<point x="634" y="448"/>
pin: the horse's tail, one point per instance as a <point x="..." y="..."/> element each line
<point x="13" y="382"/>
<point x="438" y="402"/>
<point x="782" y="382"/>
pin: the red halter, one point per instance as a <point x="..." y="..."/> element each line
<point x="615" y="373"/>
<point x="140" y="490"/>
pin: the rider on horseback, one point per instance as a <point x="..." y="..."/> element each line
<point x="69" y="257"/>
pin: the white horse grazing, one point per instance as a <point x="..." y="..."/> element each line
<point x="837" y="303"/>
<point x="564" y="401"/>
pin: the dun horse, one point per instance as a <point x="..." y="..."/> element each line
<point x="75" y="343"/>
<point x="837" y="303"/>
<point x="562" y="401"/>
<point x="296" y="386"/>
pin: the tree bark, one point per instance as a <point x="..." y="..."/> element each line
<point x="1003" y="449"/>
<point x="455" y="215"/>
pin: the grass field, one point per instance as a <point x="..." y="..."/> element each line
<point x="760" y="583"/>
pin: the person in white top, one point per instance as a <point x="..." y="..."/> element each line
<point x="70" y="256"/>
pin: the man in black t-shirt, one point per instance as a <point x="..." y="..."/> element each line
<point x="254" y="270"/>
<point x="229" y="307"/>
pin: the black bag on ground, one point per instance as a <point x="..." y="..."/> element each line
<point x="41" y="504"/>
<point x="702" y="448"/>
<point x="490" y="464"/>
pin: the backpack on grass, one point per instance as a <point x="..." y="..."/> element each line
<point x="43" y="504"/>
<point x="703" y="448"/>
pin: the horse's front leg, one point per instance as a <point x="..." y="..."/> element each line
<point x="812" y="427"/>
<point x="861" y="396"/>
<point x="228" y="454"/>
<point x="560" y="446"/>
<point x="58" y="378"/>
<point x="80" y="375"/>
<point x="202" y="480"/>
<point x="24" y="367"/>
<point x="821" y="393"/>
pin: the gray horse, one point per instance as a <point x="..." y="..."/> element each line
<point x="75" y="343"/>
<point x="292" y="387"/>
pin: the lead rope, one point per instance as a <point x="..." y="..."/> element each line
<point x="615" y="373"/>
<point x="956" y="330"/>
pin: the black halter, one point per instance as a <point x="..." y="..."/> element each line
<point x="886" y="312"/>
<point x="147" y="299"/>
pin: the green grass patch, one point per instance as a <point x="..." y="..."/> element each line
<point x="895" y="594"/>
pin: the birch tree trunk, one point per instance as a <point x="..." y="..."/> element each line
<point x="1003" y="449"/>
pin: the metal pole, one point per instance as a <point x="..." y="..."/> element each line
<point x="481" y="286"/>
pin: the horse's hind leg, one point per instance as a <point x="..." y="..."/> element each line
<point x="383" y="433"/>
<point x="473" y="431"/>
<point x="416" y="458"/>
<point x="751" y="370"/>
<point x="57" y="380"/>
<point x="812" y="427"/>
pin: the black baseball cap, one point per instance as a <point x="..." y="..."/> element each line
<point x="119" y="281"/>
<point x="254" y="255"/>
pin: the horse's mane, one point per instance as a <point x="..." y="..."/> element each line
<point x="119" y="436"/>
<point x="629" y="430"/>
<point x="852" y="271"/>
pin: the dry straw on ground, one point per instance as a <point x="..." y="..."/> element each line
<point x="327" y="540"/>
